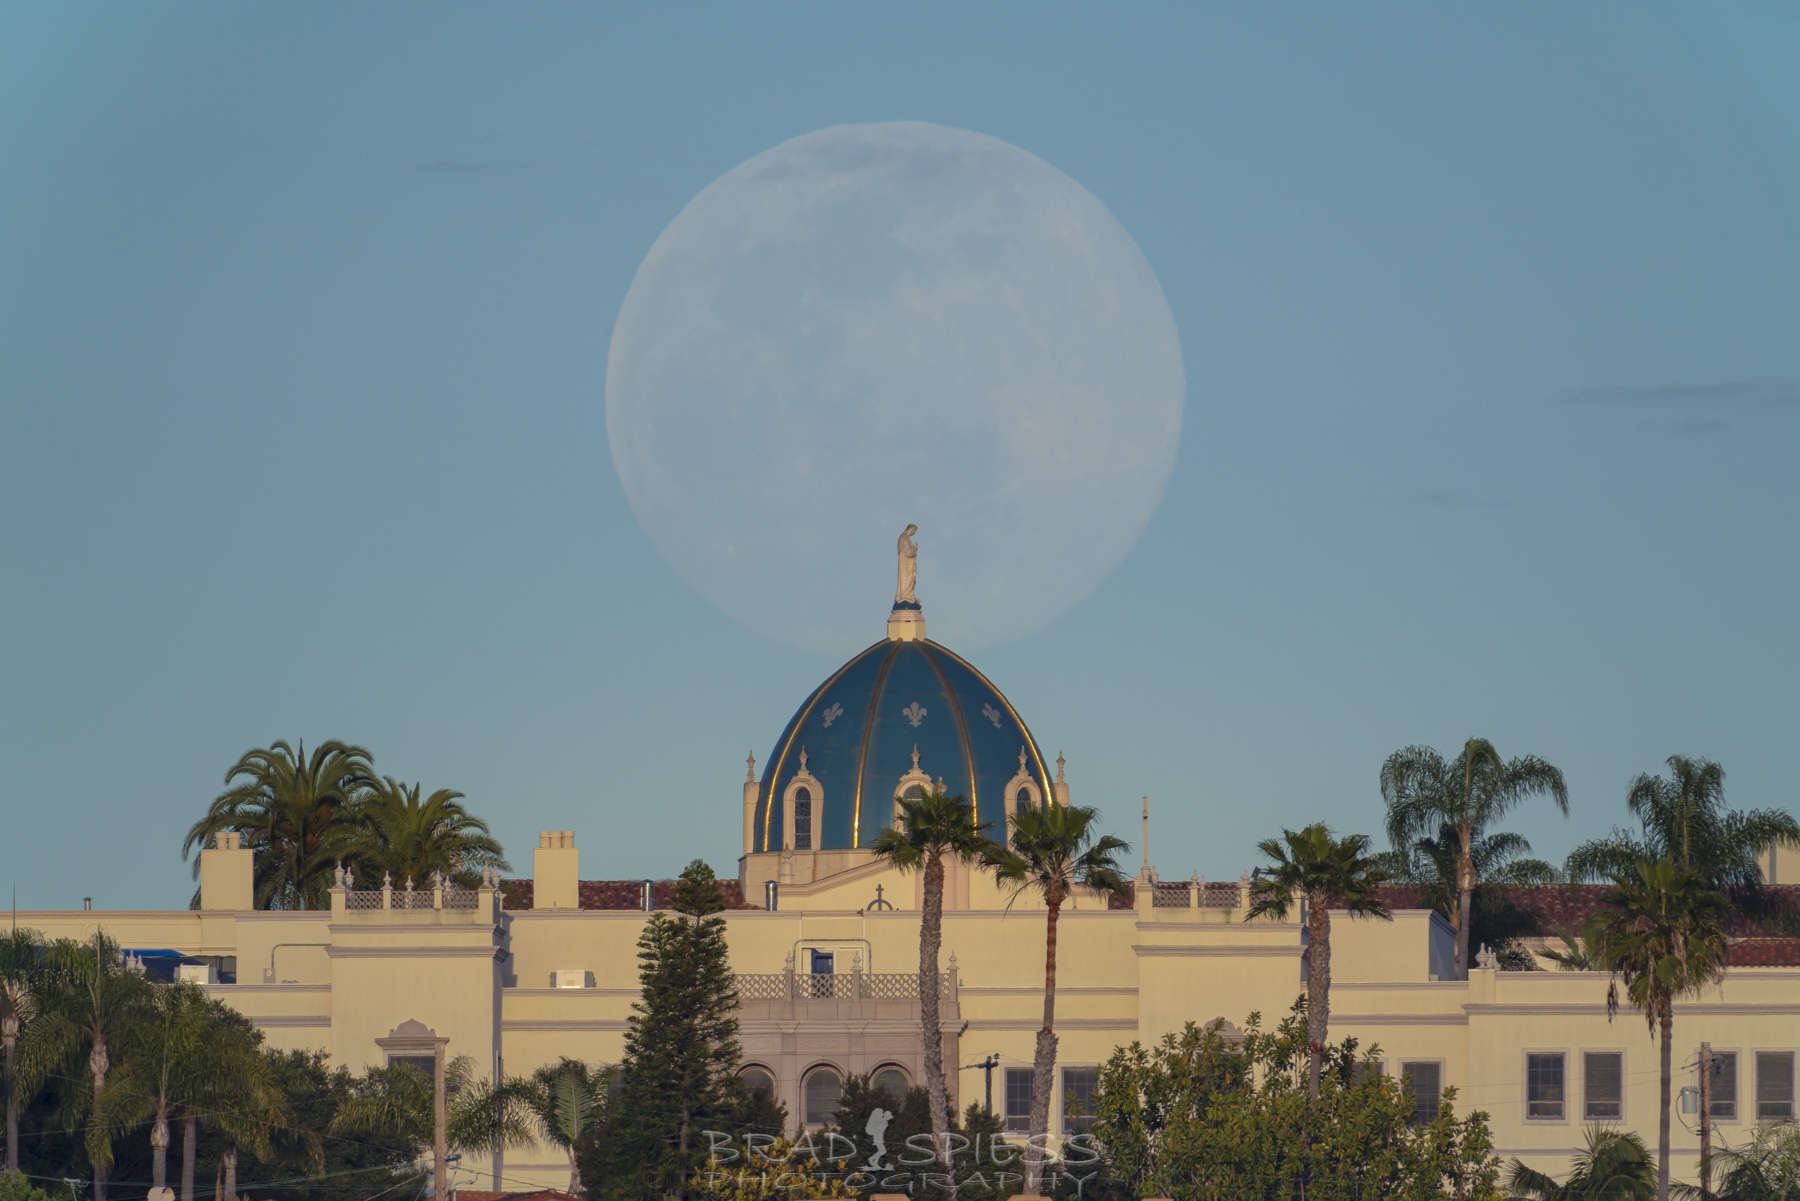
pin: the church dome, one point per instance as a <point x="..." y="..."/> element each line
<point x="905" y="713"/>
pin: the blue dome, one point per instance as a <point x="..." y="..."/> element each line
<point x="858" y="731"/>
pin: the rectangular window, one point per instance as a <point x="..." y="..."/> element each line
<point x="1602" y="1086"/>
<point x="1724" y="1086"/>
<point x="1544" y="1087"/>
<point x="1427" y="1083"/>
<point x="1018" y="1100"/>
<point x="1774" y="1084"/>
<point x="1080" y="1088"/>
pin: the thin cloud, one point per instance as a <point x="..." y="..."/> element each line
<point x="1732" y="394"/>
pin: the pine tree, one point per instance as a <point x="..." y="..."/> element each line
<point x="681" y="1053"/>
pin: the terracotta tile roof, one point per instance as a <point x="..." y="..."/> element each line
<point x="1766" y="952"/>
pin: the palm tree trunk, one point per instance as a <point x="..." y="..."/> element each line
<point x="190" y="1138"/>
<point x="229" y="1160"/>
<point x="931" y="936"/>
<point x="1465" y="891"/>
<point x="1318" y="987"/>
<point x="12" y="1108"/>
<point x="574" y="1173"/>
<point x="159" y="1150"/>
<point x="1043" y="1066"/>
<point x="98" y="1062"/>
<point x="1666" y="1013"/>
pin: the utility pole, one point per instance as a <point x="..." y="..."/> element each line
<point x="1705" y="1117"/>
<point x="438" y="1164"/>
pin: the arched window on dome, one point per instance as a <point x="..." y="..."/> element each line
<point x="802" y="819"/>
<point x="1022" y="792"/>
<point x="912" y="786"/>
<point x="803" y="803"/>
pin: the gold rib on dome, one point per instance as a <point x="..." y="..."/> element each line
<point x="1030" y="739"/>
<point x="862" y="755"/>
<point x="961" y="726"/>
<point x="788" y="745"/>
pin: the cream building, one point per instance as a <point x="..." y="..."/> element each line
<point x="827" y="950"/>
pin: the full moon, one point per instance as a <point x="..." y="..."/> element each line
<point x="880" y="324"/>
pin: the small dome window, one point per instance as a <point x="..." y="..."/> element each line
<point x="802" y="819"/>
<point x="804" y="802"/>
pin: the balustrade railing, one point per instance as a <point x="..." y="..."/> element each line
<point x="1196" y="894"/>
<point x="449" y="897"/>
<point x="834" y="986"/>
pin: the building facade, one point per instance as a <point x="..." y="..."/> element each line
<point x="825" y="940"/>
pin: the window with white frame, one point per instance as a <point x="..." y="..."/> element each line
<point x="1081" y="1087"/>
<point x="1724" y="1086"/>
<point x="1018" y="1100"/>
<point x="1774" y="1085"/>
<point x="1426" y="1079"/>
<point x="1602" y="1086"/>
<point x="1544" y="1095"/>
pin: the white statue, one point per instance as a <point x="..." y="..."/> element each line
<point x="909" y="567"/>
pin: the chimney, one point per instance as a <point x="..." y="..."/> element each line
<point x="556" y="871"/>
<point x="227" y="873"/>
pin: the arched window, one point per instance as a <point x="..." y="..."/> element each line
<point x="824" y="1090"/>
<point x="913" y="792"/>
<point x="759" y="1081"/>
<point x="1022" y="800"/>
<point x="892" y="1081"/>
<point x="803" y="838"/>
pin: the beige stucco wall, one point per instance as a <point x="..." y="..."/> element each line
<point x="480" y="977"/>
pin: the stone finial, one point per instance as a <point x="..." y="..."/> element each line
<point x="387" y="879"/>
<point x="1059" y="768"/>
<point x="803" y="759"/>
<point x="338" y="876"/>
<point x="788" y="964"/>
<point x="915" y="756"/>
<point x="1486" y="959"/>
<point x="750" y="769"/>
<point x="1021" y="760"/>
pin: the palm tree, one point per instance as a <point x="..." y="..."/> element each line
<point x="1581" y="949"/>
<point x="490" y="1116"/>
<point x="91" y="1002"/>
<point x="569" y="1099"/>
<point x="1615" y="1167"/>
<point x="295" y="813"/>
<point x="167" y="1058"/>
<point x="927" y="830"/>
<point x="1324" y="872"/>
<point x="1498" y="859"/>
<point x="1767" y="1168"/>
<point x="1684" y="818"/>
<point x="18" y="962"/>
<point x="1469" y="793"/>
<point x="241" y="1096"/>
<point x="411" y="840"/>
<point x="1053" y="851"/>
<point x="1661" y="932"/>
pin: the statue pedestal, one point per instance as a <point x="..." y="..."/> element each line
<point x="906" y="622"/>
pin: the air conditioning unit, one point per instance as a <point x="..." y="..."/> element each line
<point x="197" y="973"/>
<point x="571" y="979"/>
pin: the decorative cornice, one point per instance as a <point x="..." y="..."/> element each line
<point x="561" y="1024"/>
<point x="1781" y="1009"/>
<point x="290" y="1021"/>
<point x="1250" y="952"/>
<point x="416" y="952"/>
<point x="1399" y="1019"/>
<point x="1061" y="1023"/>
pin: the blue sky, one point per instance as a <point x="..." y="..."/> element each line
<point x="1490" y="319"/>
